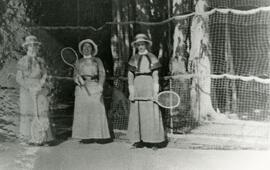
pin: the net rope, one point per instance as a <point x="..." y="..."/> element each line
<point x="166" y="21"/>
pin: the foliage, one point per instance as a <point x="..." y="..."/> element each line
<point x="182" y="7"/>
<point x="12" y="29"/>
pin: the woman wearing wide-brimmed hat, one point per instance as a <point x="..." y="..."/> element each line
<point x="145" y="127"/>
<point x="31" y="76"/>
<point x="90" y="121"/>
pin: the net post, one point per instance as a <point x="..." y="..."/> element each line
<point x="171" y="109"/>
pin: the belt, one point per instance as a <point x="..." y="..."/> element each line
<point x="87" y="77"/>
<point x="143" y="74"/>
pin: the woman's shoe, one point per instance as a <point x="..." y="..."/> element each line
<point x="87" y="141"/>
<point x="35" y="144"/>
<point x="103" y="141"/>
<point x="156" y="146"/>
<point x="52" y="143"/>
<point x="137" y="145"/>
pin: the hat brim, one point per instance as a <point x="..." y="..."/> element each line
<point x="94" y="45"/>
<point x="24" y="45"/>
<point x="133" y="44"/>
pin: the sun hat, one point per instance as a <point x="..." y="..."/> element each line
<point x="141" y="38"/>
<point x="31" y="39"/>
<point x="94" y="45"/>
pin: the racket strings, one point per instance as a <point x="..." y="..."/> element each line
<point x="69" y="56"/>
<point x="168" y="99"/>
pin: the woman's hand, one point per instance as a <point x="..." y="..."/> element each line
<point x="34" y="90"/>
<point x="79" y="80"/>
<point x="33" y="86"/>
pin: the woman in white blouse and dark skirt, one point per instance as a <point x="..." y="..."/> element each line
<point x="145" y="127"/>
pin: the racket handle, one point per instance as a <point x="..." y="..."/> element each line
<point x="82" y="83"/>
<point x="87" y="90"/>
<point x="144" y="99"/>
<point x="80" y="80"/>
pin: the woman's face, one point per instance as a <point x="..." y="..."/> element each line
<point x="87" y="49"/>
<point x="141" y="47"/>
<point x="33" y="49"/>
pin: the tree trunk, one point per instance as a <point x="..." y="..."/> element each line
<point x="199" y="60"/>
<point x="120" y="41"/>
<point x="178" y="62"/>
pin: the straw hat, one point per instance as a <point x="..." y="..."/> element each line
<point x="31" y="39"/>
<point x="141" y="38"/>
<point x="94" y="45"/>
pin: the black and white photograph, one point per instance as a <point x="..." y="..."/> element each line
<point x="134" y="84"/>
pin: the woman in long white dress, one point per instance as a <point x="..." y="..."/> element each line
<point x="31" y="76"/>
<point x="90" y="121"/>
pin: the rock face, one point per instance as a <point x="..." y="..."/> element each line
<point x="12" y="31"/>
<point x="9" y="115"/>
<point x="9" y="110"/>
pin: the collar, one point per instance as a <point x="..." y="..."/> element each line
<point x="143" y="53"/>
<point x="31" y="56"/>
<point x="89" y="56"/>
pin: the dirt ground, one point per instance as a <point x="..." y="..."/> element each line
<point x="71" y="155"/>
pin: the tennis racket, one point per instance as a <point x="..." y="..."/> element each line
<point x="70" y="57"/>
<point x="165" y="99"/>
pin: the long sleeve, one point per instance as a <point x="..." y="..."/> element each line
<point x="155" y="65"/>
<point x="44" y="72"/>
<point x="131" y="70"/>
<point x="155" y="82"/>
<point x="130" y="78"/>
<point x="101" y="72"/>
<point x="76" y="72"/>
<point x="19" y="78"/>
<point x="21" y="67"/>
<point x="131" y="85"/>
<point x="155" y="77"/>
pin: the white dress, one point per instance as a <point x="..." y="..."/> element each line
<point x="90" y="120"/>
